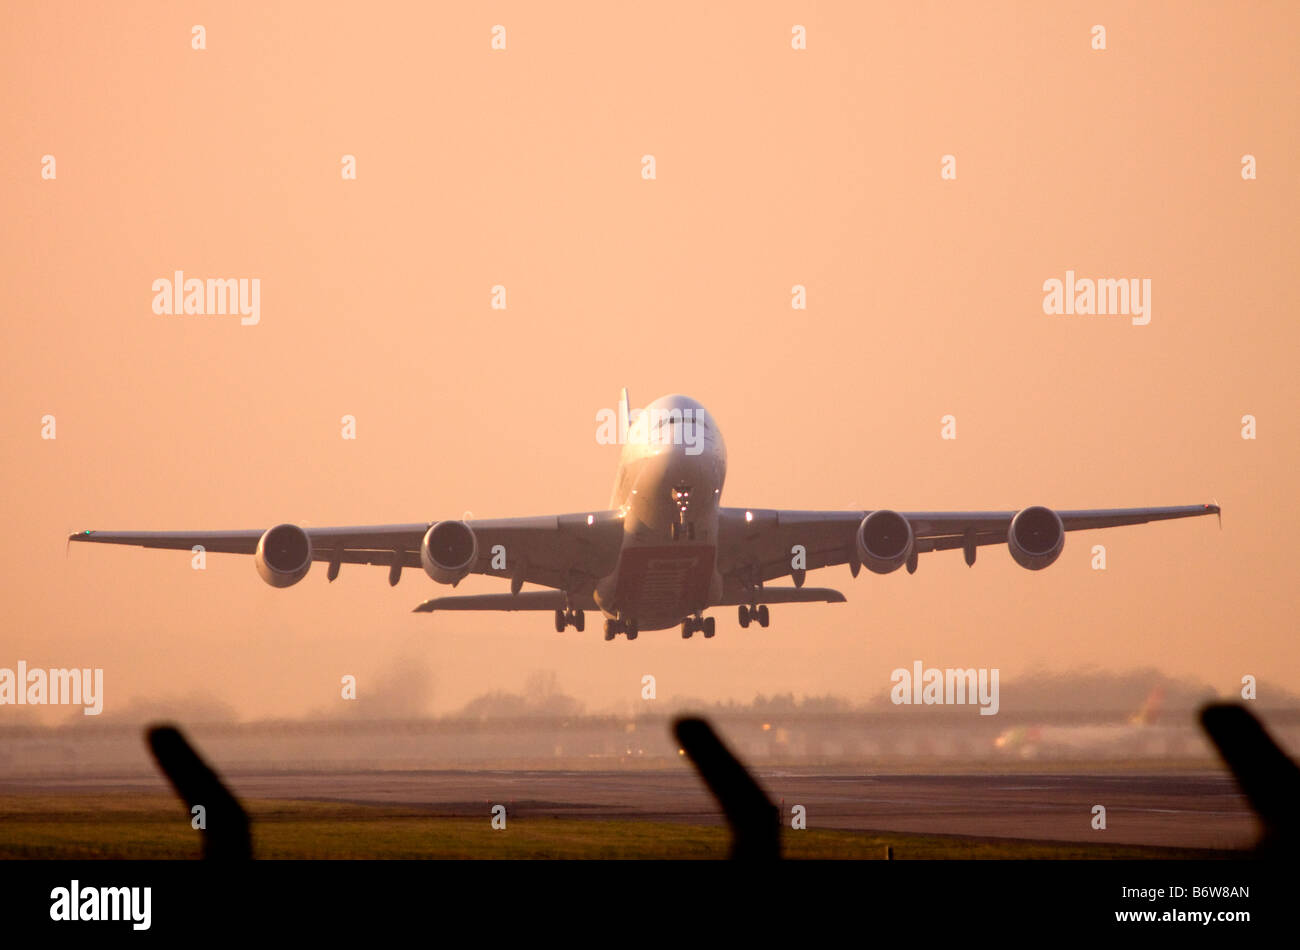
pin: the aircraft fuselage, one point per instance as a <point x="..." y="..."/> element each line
<point x="668" y="486"/>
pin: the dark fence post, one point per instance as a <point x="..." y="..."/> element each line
<point x="1265" y="774"/>
<point x="225" y="834"/>
<point x="754" y="820"/>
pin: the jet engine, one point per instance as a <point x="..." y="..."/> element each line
<point x="283" y="555"/>
<point x="448" y="551"/>
<point x="885" y="541"/>
<point x="1036" y="537"/>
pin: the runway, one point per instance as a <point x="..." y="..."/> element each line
<point x="1180" y="809"/>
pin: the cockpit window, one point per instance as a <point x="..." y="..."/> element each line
<point x="691" y="420"/>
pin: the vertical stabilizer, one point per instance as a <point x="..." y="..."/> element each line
<point x="624" y="413"/>
<point x="1150" y="709"/>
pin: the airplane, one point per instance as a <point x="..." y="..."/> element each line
<point x="1136" y="735"/>
<point x="664" y="551"/>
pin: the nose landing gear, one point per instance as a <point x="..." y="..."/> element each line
<point x="681" y="527"/>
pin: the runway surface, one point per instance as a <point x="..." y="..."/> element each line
<point x="1190" y="810"/>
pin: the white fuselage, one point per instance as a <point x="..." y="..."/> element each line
<point x="668" y="488"/>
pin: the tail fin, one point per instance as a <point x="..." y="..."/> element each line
<point x="624" y="412"/>
<point x="1146" y="715"/>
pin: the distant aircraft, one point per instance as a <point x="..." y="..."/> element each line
<point x="665" y="550"/>
<point x="1108" y="739"/>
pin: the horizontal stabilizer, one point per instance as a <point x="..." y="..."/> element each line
<point x="527" y="600"/>
<point x="787" y="595"/>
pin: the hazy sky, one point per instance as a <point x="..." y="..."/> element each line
<point x="523" y="167"/>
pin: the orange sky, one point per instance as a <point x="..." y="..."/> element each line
<point x="523" y="167"/>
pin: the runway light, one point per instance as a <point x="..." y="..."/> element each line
<point x="767" y="726"/>
<point x="749" y="516"/>
<point x="681" y="751"/>
<point x="591" y="519"/>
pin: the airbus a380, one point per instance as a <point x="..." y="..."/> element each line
<point x="664" y="551"/>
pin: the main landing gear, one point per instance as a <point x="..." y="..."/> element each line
<point x="614" y="627"/>
<point x="703" y="624"/>
<point x="758" y="613"/>
<point x="570" y="618"/>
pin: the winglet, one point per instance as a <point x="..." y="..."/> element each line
<point x="1218" y="512"/>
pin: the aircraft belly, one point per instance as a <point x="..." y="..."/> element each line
<point x="661" y="584"/>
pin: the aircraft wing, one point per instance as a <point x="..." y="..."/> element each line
<point x="755" y="544"/>
<point x="524" y="600"/>
<point x="566" y="552"/>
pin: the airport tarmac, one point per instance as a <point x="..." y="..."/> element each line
<point x="1189" y="810"/>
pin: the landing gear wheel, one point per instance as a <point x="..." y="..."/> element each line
<point x="631" y="634"/>
<point x="744" y="616"/>
<point x="687" y="629"/>
<point x="630" y="629"/>
<point x="610" y="629"/>
<point x="579" y="621"/>
<point x="763" y="617"/>
<point x="561" y="621"/>
<point x="708" y="628"/>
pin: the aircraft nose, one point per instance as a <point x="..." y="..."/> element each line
<point x="669" y="465"/>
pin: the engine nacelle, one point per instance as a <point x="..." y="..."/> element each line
<point x="885" y="541"/>
<point x="283" y="555"/>
<point x="1036" y="537"/>
<point x="448" y="551"/>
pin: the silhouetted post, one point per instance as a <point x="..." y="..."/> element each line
<point x="1265" y="774"/>
<point x="754" y="820"/>
<point x="225" y="833"/>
